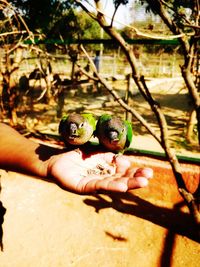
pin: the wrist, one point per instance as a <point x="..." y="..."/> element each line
<point x="46" y="155"/>
<point x="21" y="154"/>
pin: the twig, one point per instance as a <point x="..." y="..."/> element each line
<point x="138" y="32"/>
<point x="12" y="33"/>
<point x="119" y="99"/>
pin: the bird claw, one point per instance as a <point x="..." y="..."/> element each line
<point x="115" y="157"/>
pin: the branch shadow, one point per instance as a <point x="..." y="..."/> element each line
<point x="167" y="251"/>
<point x="174" y="219"/>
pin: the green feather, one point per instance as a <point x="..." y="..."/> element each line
<point x="105" y="117"/>
<point x="91" y="119"/>
<point x="64" y="117"/>
<point x="129" y="135"/>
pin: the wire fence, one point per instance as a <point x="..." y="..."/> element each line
<point x="110" y="65"/>
<point x="113" y="63"/>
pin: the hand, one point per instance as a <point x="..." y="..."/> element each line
<point x="81" y="173"/>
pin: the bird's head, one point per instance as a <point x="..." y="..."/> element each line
<point x="77" y="129"/>
<point x="115" y="134"/>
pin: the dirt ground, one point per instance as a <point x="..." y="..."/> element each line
<point x="47" y="226"/>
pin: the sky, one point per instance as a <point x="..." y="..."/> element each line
<point x="123" y="14"/>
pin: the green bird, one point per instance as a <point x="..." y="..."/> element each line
<point x="114" y="133"/>
<point x="77" y="129"/>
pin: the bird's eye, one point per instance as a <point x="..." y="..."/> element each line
<point x="81" y="125"/>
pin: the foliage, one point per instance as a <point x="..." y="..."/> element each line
<point x="41" y="14"/>
<point x="180" y="10"/>
<point x="89" y="28"/>
<point x="55" y="20"/>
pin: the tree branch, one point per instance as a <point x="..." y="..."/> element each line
<point x="136" y="30"/>
<point x="119" y="99"/>
<point x="140" y="82"/>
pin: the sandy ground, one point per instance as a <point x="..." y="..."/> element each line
<point x="45" y="226"/>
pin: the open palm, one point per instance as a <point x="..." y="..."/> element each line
<point x="81" y="173"/>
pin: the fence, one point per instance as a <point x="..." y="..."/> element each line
<point x="113" y="66"/>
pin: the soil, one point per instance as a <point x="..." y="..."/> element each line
<point x="44" y="225"/>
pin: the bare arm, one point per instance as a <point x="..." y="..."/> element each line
<point x="21" y="154"/>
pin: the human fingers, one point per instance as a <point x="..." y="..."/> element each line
<point x="134" y="182"/>
<point x="144" y="172"/>
<point x="122" y="164"/>
<point x="94" y="184"/>
<point x="140" y="178"/>
<point x="137" y="182"/>
<point x="122" y="184"/>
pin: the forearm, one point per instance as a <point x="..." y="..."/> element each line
<point x="21" y="154"/>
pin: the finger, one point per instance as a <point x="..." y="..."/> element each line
<point x="114" y="186"/>
<point x="75" y="155"/>
<point x="137" y="182"/>
<point x="122" y="164"/>
<point x="118" y="185"/>
<point x="104" y="184"/>
<point x="133" y="183"/>
<point x="108" y="156"/>
<point x="145" y="172"/>
<point x="122" y="184"/>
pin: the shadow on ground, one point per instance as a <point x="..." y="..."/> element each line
<point x="174" y="220"/>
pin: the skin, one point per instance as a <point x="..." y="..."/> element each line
<point x="66" y="169"/>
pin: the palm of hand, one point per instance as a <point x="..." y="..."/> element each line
<point x="79" y="173"/>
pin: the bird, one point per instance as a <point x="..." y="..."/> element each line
<point x="113" y="133"/>
<point x="77" y="129"/>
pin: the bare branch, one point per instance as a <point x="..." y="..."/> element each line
<point x="119" y="99"/>
<point x="18" y="16"/>
<point x="114" y="13"/>
<point x="11" y="33"/>
<point x="192" y="26"/>
<point x="141" y="84"/>
<point x="137" y="31"/>
<point x="171" y="7"/>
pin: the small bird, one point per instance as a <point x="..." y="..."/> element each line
<point x="114" y="133"/>
<point x="77" y="129"/>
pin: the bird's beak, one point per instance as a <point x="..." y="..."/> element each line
<point x="114" y="136"/>
<point x="114" y="140"/>
<point x="73" y="131"/>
